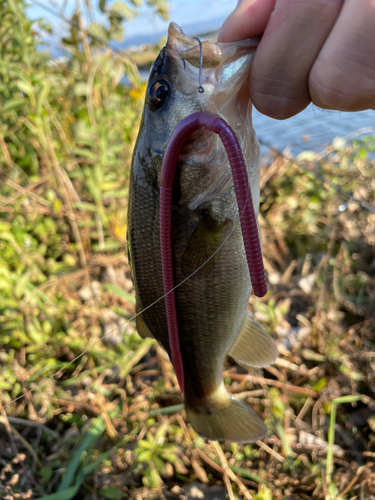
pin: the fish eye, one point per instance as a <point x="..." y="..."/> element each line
<point x="157" y="94"/>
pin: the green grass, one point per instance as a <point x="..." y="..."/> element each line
<point x="111" y="423"/>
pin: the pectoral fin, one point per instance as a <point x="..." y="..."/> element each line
<point x="254" y="347"/>
<point x="204" y="241"/>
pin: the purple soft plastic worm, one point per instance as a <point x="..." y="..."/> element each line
<point x="249" y="226"/>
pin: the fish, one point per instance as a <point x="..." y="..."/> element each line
<point x="209" y="258"/>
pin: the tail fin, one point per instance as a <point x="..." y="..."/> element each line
<point x="236" y="422"/>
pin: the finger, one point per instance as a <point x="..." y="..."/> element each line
<point x="343" y="76"/>
<point x="249" y="19"/>
<point x="294" y="35"/>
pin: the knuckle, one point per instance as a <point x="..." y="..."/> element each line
<point x="292" y="9"/>
<point x="276" y="96"/>
<point x="323" y="90"/>
<point x="278" y="107"/>
<point x="341" y="86"/>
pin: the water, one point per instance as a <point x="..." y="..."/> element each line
<point x="312" y="129"/>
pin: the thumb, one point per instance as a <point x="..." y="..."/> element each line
<point x="248" y="19"/>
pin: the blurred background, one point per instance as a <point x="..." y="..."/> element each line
<point x="88" y="409"/>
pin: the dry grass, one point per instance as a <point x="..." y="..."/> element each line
<point x="320" y="308"/>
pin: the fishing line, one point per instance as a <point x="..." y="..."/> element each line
<point x="126" y="322"/>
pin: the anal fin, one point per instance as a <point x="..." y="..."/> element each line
<point x="254" y="347"/>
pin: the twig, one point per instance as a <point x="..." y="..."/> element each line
<point x="331" y="432"/>
<point x="90" y="89"/>
<point x="274" y="383"/>
<point x="99" y="227"/>
<point x="352" y="482"/>
<point x="210" y="462"/>
<point x="111" y="431"/>
<point x="28" y="193"/>
<point x="270" y="451"/>
<point x="198" y="469"/>
<point x="31" y="423"/>
<point x="224" y="465"/>
<point x="5" y="151"/>
<point x="229" y="474"/>
<point x="21" y="438"/>
<point x="304" y="410"/>
<point x="27" y="189"/>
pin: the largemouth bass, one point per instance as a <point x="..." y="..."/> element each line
<point x="213" y="318"/>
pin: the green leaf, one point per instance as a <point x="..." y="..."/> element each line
<point x="119" y="292"/>
<point x="86" y="153"/>
<point x="351" y="373"/>
<point x="102" y="5"/>
<point x="13" y="105"/>
<point x="137" y="3"/>
<point x="93" y="434"/>
<point x="43" y="96"/>
<point x="120" y="193"/>
<point x="5" y="385"/>
<point x="5" y="226"/>
<point x="25" y="87"/>
<point x="35" y="335"/>
<point x="9" y="237"/>
<point x="122" y="10"/>
<point x="97" y="31"/>
<point x="145" y="456"/>
<point x="63" y="495"/>
<point x="320" y="385"/>
<point x="13" y="7"/>
<point x="111" y="492"/>
<point x="5" y="285"/>
<point x="89" y="468"/>
<point x="109" y="244"/>
<point x="118" y="34"/>
<point x="81" y="89"/>
<point x="8" y="303"/>
<point x="21" y="284"/>
<point x="90" y="207"/>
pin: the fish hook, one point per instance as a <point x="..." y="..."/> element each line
<point x="200" y="88"/>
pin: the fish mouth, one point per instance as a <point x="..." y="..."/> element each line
<point x="187" y="48"/>
<point x="220" y="68"/>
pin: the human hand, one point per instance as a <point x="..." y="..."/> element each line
<point x="319" y="51"/>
